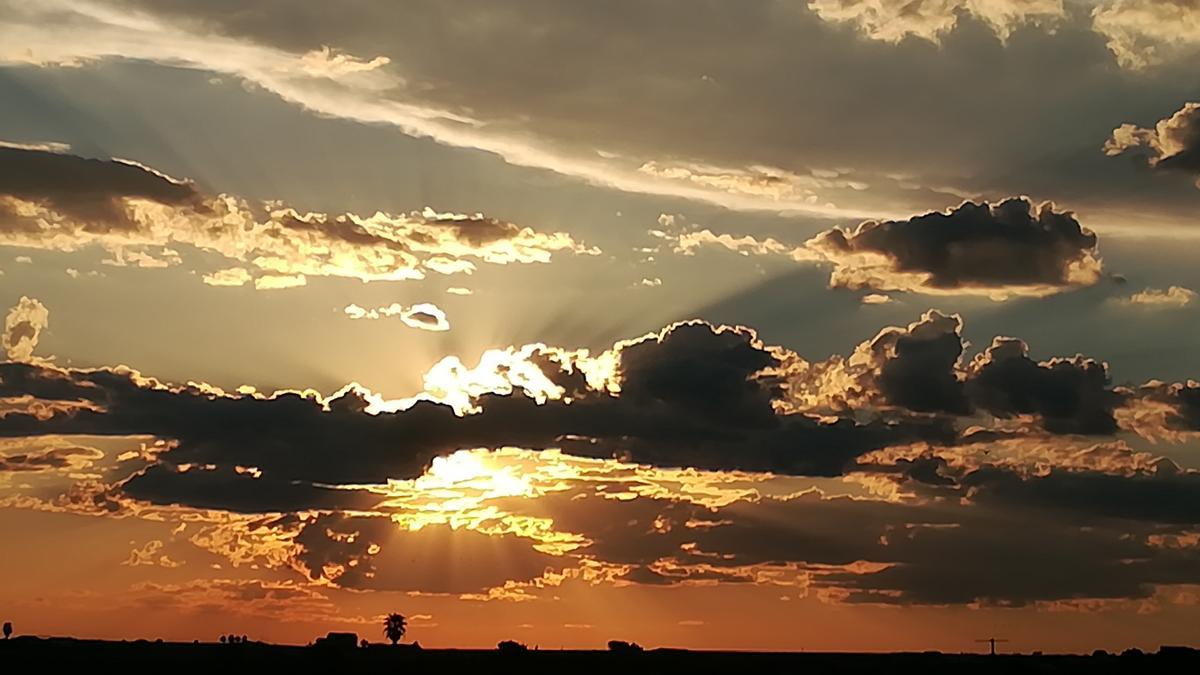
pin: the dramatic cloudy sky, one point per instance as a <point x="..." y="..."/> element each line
<point x="768" y="324"/>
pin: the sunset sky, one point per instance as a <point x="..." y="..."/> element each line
<point x="751" y="324"/>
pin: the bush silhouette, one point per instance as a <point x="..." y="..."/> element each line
<point x="511" y="647"/>
<point x="623" y="647"/>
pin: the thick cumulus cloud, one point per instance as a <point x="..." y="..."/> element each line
<point x="693" y="395"/>
<point x="1173" y="144"/>
<point x="56" y="201"/>
<point x="914" y="368"/>
<point x="1069" y="395"/>
<point x="921" y="369"/>
<point x="998" y="250"/>
<point x="23" y="326"/>
<point x="918" y="365"/>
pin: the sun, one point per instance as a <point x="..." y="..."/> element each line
<point x="459" y="467"/>
<point x="475" y="471"/>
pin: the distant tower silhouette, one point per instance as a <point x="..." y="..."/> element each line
<point x="7" y="629"/>
<point x="992" y="643"/>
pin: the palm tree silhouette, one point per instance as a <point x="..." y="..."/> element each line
<point x="394" y="627"/>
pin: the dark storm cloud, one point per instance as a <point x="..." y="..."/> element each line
<point x="920" y="364"/>
<point x="920" y="369"/>
<point x="1090" y="492"/>
<point x="227" y="489"/>
<point x="1038" y="539"/>
<point x="689" y="399"/>
<point x="704" y="373"/>
<point x="999" y="558"/>
<point x="1097" y="536"/>
<point x="289" y="437"/>
<point x="88" y="190"/>
<point x="1011" y="247"/>
<point x="1069" y="395"/>
<point x="693" y="395"/>
<point x="1167" y="495"/>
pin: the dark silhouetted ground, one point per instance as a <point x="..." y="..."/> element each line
<point x="30" y="655"/>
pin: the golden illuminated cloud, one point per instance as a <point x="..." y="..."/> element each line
<point x="1144" y="33"/>
<point x="325" y="62"/>
<point x="1139" y="33"/>
<point x="423" y="315"/>
<point x="894" y="20"/>
<point x="1175" y="296"/>
<point x="23" y="326"/>
<point x="1173" y="144"/>
<point x="686" y="242"/>
<point x="143" y="218"/>
<point x="767" y="182"/>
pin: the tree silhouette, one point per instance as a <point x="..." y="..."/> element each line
<point x="511" y="647"/>
<point x="7" y="629"/>
<point x="623" y="647"/>
<point x="394" y="627"/>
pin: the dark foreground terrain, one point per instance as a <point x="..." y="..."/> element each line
<point x="29" y="655"/>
